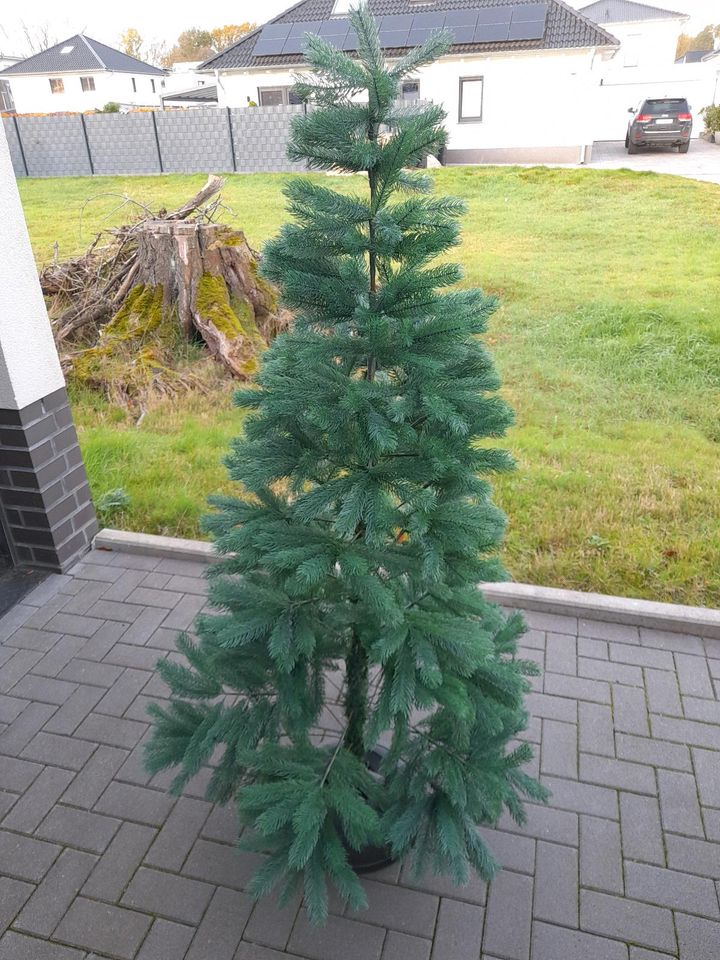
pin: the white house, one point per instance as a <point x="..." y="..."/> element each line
<point x="82" y="74"/>
<point x="644" y="65"/>
<point x="7" y="104"/>
<point x="514" y="84"/>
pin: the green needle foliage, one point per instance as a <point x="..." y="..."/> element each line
<point x="364" y="527"/>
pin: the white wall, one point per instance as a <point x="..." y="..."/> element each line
<point x="644" y="45"/>
<point x="32" y="94"/>
<point x="530" y="99"/>
<point x="29" y="365"/>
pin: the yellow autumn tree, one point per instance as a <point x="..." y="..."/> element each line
<point x="229" y="34"/>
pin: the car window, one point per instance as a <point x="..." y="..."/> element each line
<point x="674" y="105"/>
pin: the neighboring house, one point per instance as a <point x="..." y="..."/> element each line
<point x="648" y="35"/>
<point x="644" y="65"/>
<point x="699" y="56"/>
<point x="514" y="84"/>
<point x="205" y="96"/>
<point x="82" y="74"/>
<point x="7" y="104"/>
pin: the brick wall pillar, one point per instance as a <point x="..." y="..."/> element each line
<point x="45" y="508"/>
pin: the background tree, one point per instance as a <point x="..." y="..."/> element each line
<point x="224" y="37"/>
<point x="192" y="44"/>
<point x="704" y="40"/>
<point x="131" y="43"/>
<point x="364" y="526"/>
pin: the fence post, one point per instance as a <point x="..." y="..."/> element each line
<point x="87" y="144"/>
<point x="20" y="144"/>
<point x="232" y="139"/>
<point x="157" y="142"/>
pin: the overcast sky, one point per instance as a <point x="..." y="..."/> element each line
<point x="163" y="21"/>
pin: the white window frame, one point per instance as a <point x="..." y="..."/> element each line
<point x="471" y="119"/>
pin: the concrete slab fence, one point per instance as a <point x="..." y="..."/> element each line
<point x="219" y="140"/>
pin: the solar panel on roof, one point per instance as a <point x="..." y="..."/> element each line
<point x="431" y="21"/>
<point x="274" y="31"/>
<point x="394" y="38"/>
<point x="417" y="37"/>
<point x="307" y="26"/>
<point x="351" y="41"/>
<point x="460" y="17"/>
<point x="334" y="28"/>
<point x="294" y="45"/>
<point x="527" y="30"/>
<point x="491" y="32"/>
<point x="495" y="14"/>
<point x="398" y="21"/>
<point x="524" y="12"/>
<point x="269" y="48"/>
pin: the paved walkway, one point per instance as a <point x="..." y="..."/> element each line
<point x="97" y="861"/>
<point x="702" y="162"/>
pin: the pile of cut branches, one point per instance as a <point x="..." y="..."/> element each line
<point x="124" y="311"/>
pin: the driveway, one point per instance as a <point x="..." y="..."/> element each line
<point x="701" y="163"/>
<point x="97" y="861"/>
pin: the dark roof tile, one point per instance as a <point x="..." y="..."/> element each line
<point x="84" y="54"/>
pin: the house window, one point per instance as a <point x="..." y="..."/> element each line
<point x="152" y="85"/>
<point x="87" y="83"/>
<point x="277" y="96"/>
<point x="471" y="100"/>
<point x="57" y="85"/>
<point x="411" y="90"/>
<point x="134" y="84"/>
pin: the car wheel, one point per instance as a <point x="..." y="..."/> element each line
<point x="633" y="148"/>
<point x="684" y="147"/>
<point x="627" y="140"/>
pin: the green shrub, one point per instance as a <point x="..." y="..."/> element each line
<point x="711" y="116"/>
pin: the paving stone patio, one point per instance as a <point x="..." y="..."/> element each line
<point x="97" y="861"/>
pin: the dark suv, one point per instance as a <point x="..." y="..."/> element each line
<point x="666" y="121"/>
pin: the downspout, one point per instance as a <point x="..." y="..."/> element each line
<point x="583" y="146"/>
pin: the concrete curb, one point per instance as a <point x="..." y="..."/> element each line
<point x="699" y="621"/>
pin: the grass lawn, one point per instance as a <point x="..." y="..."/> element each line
<point x="608" y="341"/>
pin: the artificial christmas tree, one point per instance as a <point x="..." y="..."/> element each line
<point x="364" y="526"/>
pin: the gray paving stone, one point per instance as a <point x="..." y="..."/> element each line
<point x="218" y="863"/>
<point x="589" y="647"/>
<point x="693" y="856"/>
<point x="693" y="676"/>
<point x="146" y="624"/>
<point x="123" y="692"/>
<point x="80" y="603"/>
<point x="38" y="800"/>
<point x="583" y="797"/>
<point x="557" y="943"/>
<point x="400" y="946"/>
<point x="513" y="851"/>
<point x="641" y="656"/>
<point x="618" y="632"/>
<point x="196" y="586"/>
<point x="663" y="693"/>
<point x="178" y="834"/>
<point x="546" y="823"/>
<point x="111" y="731"/>
<point x="552" y="708"/>
<point x="16" y="774"/>
<point x="679" y="805"/>
<point x="556" y="623"/>
<point x="61" y="751"/>
<point x="185" y="613"/>
<point x="601" y="865"/>
<point x="91" y="672"/>
<point x="124" y="586"/>
<point x="119" y="863"/>
<point x="107" y="609"/>
<point x="611" y="671"/>
<point x="11" y="708"/>
<point x="98" y="647"/>
<point x="95" y="776"/>
<point x="14" y="669"/>
<point x="620" y="774"/>
<point x="459" y="931"/>
<point x="74" y="710"/>
<point x="707" y="773"/>
<point x="48" y="904"/>
<point x="26" y="858"/>
<point x="219" y="934"/>
<point x="656" y="753"/>
<point x="559" y="755"/>
<point x="561" y="653"/>
<point x="148" y="597"/>
<point x="13" y="895"/>
<point x="669" y="640"/>
<point x="78" y="828"/>
<point x="17" y="946"/>
<point x="684" y="731"/>
<point x="409" y="911"/>
<point x="222" y="825"/>
<point x="341" y="937"/>
<point x="135" y="803"/>
<point x="628" y="920"/>
<point x="169" y="896"/>
<point x="707" y="711"/>
<point x="668" y="888"/>
<point x="75" y="625"/>
<point x="508" y="917"/>
<point x="596" y="729"/>
<point x="108" y="929"/>
<point x="699" y="939"/>
<point x="640" y="953"/>
<point x="630" y="710"/>
<point x="27" y="638"/>
<point x="577" y="688"/>
<point x="62" y="653"/>
<point x="140" y="658"/>
<point x="271" y="925"/>
<point x="166" y="941"/>
<point x="556" y="884"/>
<point x="642" y="837"/>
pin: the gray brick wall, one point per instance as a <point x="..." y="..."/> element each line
<point x="123" y="143"/>
<point x="14" y="145"/>
<point x="261" y="138"/>
<point x="196" y="141"/>
<point x="54" y="146"/>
